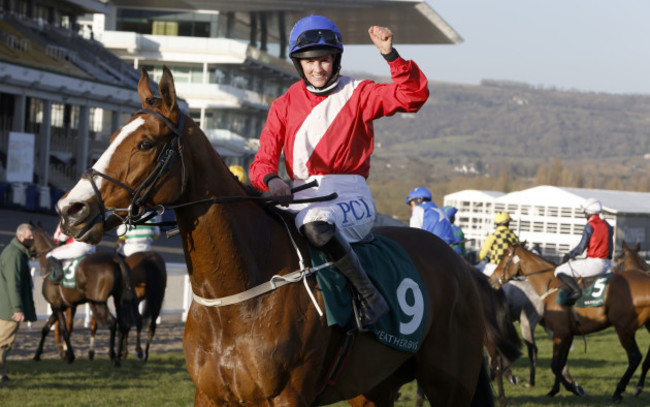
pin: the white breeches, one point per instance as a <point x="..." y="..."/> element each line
<point x="353" y="211"/>
<point x="588" y="267"/>
<point x="71" y="251"/>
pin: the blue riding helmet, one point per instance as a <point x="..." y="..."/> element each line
<point x="449" y="211"/>
<point x="315" y="36"/>
<point x="419" y="192"/>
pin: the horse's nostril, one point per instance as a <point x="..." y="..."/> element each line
<point x="75" y="209"/>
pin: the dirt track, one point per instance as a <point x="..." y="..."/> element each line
<point x="168" y="338"/>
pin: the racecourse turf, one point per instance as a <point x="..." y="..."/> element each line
<point x="163" y="380"/>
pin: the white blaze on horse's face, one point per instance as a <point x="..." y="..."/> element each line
<point x="84" y="190"/>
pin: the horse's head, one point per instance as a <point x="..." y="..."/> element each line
<point x="142" y="167"/>
<point x="629" y="258"/>
<point x="43" y="243"/>
<point x="508" y="267"/>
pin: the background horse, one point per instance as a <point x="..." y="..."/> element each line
<point x="273" y="348"/>
<point x="627" y="308"/>
<point x="149" y="280"/>
<point x="630" y="259"/>
<point x="98" y="276"/>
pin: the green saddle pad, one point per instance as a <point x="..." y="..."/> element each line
<point x="391" y="270"/>
<point x="592" y="296"/>
<point x="70" y="272"/>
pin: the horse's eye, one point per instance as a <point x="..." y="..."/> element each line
<point x="145" y="145"/>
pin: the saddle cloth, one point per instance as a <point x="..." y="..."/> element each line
<point x="593" y="292"/>
<point x="391" y="270"/>
<point x="70" y="267"/>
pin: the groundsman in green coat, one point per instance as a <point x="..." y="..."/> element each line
<point x="16" y="298"/>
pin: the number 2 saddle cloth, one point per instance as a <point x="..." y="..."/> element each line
<point x="390" y="268"/>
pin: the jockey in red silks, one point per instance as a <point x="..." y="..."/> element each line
<point x="597" y="239"/>
<point x="324" y="124"/>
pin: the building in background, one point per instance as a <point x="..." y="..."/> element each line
<point x="69" y="72"/>
<point x="551" y="216"/>
<point x="229" y="58"/>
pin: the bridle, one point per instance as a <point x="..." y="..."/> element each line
<point x="143" y="192"/>
<point x="513" y="257"/>
<point x="139" y="213"/>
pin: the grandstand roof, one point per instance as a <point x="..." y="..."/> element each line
<point x="615" y="202"/>
<point x="412" y="21"/>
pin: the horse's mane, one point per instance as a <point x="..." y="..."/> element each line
<point x="523" y="246"/>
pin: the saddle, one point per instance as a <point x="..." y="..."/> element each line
<point x="593" y="291"/>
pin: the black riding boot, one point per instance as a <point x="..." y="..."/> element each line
<point x="575" y="292"/>
<point x="324" y="236"/>
<point x="56" y="270"/>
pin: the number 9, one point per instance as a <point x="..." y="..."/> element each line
<point x="415" y="310"/>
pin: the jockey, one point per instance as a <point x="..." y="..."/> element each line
<point x="597" y="239"/>
<point x="428" y="216"/>
<point x="239" y="172"/>
<point x="324" y="125"/>
<point x="459" y="236"/>
<point x="497" y="243"/>
<point x="69" y="249"/>
<point x="137" y="238"/>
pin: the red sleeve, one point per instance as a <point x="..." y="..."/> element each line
<point x="407" y="92"/>
<point x="271" y="143"/>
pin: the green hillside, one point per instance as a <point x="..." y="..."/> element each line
<point x="511" y="136"/>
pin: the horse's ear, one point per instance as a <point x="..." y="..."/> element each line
<point x="624" y="246"/>
<point x="167" y="91"/>
<point x="637" y="246"/>
<point x="144" y="88"/>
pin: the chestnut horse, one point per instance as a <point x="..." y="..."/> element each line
<point x="627" y="308"/>
<point x="270" y="347"/>
<point x="149" y="280"/>
<point x="98" y="276"/>
<point x="629" y="259"/>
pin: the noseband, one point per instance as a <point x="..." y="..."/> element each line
<point x="144" y="191"/>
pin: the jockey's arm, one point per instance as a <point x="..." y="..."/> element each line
<point x="485" y="249"/>
<point x="584" y="242"/>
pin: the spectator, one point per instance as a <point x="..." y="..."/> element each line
<point x="16" y="298"/>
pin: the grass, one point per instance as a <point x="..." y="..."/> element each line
<point x="163" y="380"/>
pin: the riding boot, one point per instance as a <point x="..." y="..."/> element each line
<point x="325" y="237"/>
<point x="56" y="272"/>
<point x="575" y="291"/>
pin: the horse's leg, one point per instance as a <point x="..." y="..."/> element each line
<point x="150" y="335"/>
<point x="527" y="329"/>
<point x="561" y="346"/>
<point x="60" y="346"/>
<point x="66" y="336"/>
<point x="644" y="368"/>
<point x="46" y="329"/>
<point x="69" y="324"/>
<point x="93" y="333"/>
<point x="105" y="318"/>
<point x="634" y="357"/>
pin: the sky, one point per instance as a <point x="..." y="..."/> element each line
<point x="583" y="45"/>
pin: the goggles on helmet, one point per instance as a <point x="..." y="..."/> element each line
<point x="313" y="37"/>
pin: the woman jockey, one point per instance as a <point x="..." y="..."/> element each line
<point x="324" y="124"/>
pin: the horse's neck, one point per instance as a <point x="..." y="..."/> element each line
<point x="230" y="247"/>
<point x="538" y="271"/>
